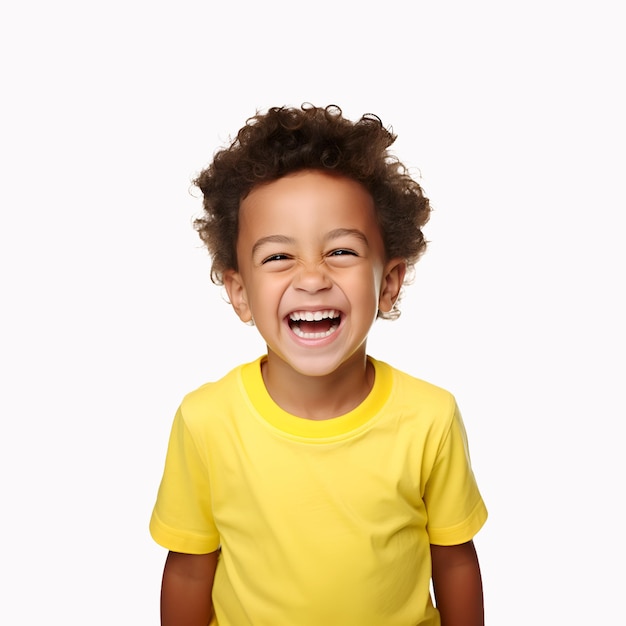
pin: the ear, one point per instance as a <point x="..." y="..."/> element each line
<point x="393" y="277"/>
<point x="236" y="290"/>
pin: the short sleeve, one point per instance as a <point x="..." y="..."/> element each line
<point x="456" y="511"/>
<point x="182" y="519"/>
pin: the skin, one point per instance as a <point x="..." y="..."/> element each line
<point x="310" y="242"/>
<point x="457" y="584"/>
<point x="186" y="589"/>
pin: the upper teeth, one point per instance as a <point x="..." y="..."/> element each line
<point x="313" y="316"/>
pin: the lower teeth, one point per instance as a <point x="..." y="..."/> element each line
<point x="297" y="331"/>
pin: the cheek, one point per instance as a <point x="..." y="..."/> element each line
<point x="365" y="290"/>
<point x="266" y="294"/>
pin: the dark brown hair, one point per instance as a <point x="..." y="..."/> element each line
<point x="286" y="140"/>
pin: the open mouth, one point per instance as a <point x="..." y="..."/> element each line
<point x="314" y="324"/>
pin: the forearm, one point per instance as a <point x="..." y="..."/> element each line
<point x="458" y="586"/>
<point x="186" y="591"/>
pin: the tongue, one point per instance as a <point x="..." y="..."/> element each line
<point x="315" y="327"/>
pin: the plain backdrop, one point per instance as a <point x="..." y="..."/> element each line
<point x="510" y="114"/>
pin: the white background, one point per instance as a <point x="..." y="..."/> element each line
<point x="512" y="114"/>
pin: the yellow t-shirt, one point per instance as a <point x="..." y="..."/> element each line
<point x="319" y="522"/>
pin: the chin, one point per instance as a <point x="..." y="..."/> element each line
<point x="317" y="366"/>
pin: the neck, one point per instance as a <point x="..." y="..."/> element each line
<point x="318" y="397"/>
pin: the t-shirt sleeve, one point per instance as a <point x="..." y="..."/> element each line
<point x="182" y="519"/>
<point x="456" y="511"/>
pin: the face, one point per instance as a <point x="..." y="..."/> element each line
<point x="312" y="270"/>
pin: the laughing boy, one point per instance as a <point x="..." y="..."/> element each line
<point x="316" y="486"/>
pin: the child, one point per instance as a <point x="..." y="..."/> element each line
<point x="316" y="485"/>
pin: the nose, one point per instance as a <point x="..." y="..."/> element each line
<point x="312" y="278"/>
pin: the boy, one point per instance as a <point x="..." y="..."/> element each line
<point x="316" y="485"/>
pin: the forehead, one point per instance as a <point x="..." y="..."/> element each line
<point x="309" y="197"/>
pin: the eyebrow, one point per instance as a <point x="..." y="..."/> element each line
<point x="333" y="234"/>
<point x="347" y="232"/>
<point x="271" y="239"/>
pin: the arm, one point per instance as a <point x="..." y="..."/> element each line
<point x="457" y="585"/>
<point x="186" y="589"/>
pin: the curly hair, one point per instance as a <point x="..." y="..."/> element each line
<point x="286" y="140"/>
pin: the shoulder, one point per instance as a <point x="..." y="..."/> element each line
<point x="409" y="387"/>
<point x="216" y="397"/>
<point x="417" y="399"/>
<point x="421" y="386"/>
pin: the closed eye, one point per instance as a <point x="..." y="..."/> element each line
<point x="343" y="252"/>
<point x="275" y="257"/>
